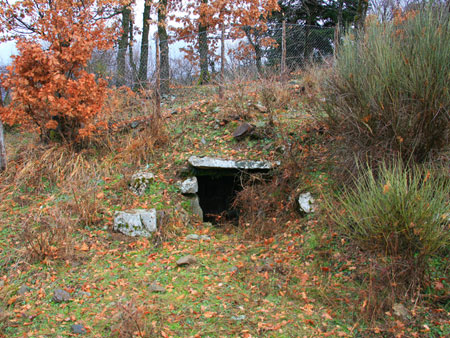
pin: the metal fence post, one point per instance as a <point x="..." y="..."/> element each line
<point x="222" y="62"/>
<point x="283" y="52"/>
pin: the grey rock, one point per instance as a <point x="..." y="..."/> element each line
<point x="156" y="288"/>
<point x="189" y="186"/>
<point x="60" y="296"/>
<point x="238" y="318"/>
<point x="82" y="294"/>
<point x="401" y="311"/>
<point x="243" y="130"/>
<point x="23" y="290"/>
<point x="134" y="124"/>
<point x="196" y="209"/>
<point x="234" y="269"/>
<point x="78" y="329"/>
<point x="140" y="181"/>
<point x="306" y="203"/>
<point x="260" y="108"/>
<point x="186" y="260"/>
<point x="203" y="141"/>
<point x="219" y="163"/>
<point x="136" y="222"/>
<point x="196" y="237"/>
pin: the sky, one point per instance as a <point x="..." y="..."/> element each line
<point x="6" y="50"/>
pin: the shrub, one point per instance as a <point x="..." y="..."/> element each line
<point x="50" y="89"/>
<point x="401" y="215"/>
<point x="388" y="91"/>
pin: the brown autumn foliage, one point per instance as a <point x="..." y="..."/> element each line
<point x="247" y="19"/>
<point x="50" y="90"/>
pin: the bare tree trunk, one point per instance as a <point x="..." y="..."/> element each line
<point x="255" y="45"/>
<point x="158" y="80"/>
<point x="203" y="46"/>
<point x="123" y="45"/>
<point x="164" y="47"/>
<point x="2" y="149"/>
<point x="143" y="61"/>
<point x="361" y="13"/>
<point x="130" y="53"/>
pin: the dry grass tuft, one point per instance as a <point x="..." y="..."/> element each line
<point x="48" y="236"/>
<point x="131" y="323"/>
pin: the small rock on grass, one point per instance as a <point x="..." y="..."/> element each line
<point x="23" y="290"/>
<point x="82" y="294"/>
<point x="401" y="311"/>
<point x="195" y="237"/>
<point x="156" y="288"/>
<point x="234" y="269"/>
<point x="78" y="329"/>
<point x="186" y="260"/>
<point x="60" y="296"/>
<point x="306" y="203"/>
<point x="238" y="318"/>
<point x="243" y="130"/>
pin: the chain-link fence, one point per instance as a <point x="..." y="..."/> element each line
<point x="248" y="53"/>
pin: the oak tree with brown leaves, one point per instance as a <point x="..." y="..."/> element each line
<point x="245" y="18"/>
<point x="50" y="89"/>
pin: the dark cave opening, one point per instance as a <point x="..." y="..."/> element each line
<point x="216" y="194"/>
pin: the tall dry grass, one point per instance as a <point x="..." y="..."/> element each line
<point x="388" y="91"/>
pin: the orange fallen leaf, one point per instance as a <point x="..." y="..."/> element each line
<point x="209" y="314"/>
<point x="12" y="300"/>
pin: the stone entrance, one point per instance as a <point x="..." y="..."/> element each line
<point x="219" y="180"/>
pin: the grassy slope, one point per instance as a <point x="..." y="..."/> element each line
<point x="307" y="290"/>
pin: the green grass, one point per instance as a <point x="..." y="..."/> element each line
<point x="312" y="290"/>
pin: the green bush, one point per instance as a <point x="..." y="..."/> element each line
<point x="388" y="91"/>
<point x="401" y="213"/>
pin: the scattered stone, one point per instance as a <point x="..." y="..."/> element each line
<point x="60" y="296"/>
<point x="136" y="222"/>
<point x="234" y="269"/>
<point x="218" y="163"/>
<point x="203" y="141"/>
<point x="260" y="108"/>
<point x="401" y="311"/>
<point x="306" y="203"/>
<point x="140" y="181"/>
<point x="243" y="130"/>
<point x="156" y="288"/>
<point x="196" y="237"/>
<point x="82" y="294"/>
<point x="186" y="260"/>
<point x="196" y="209"/>
<point x="238" y="318"/>
<point x="23" y="290"/>
<point x="78" y="329"/>
<point x="134" y="124"/>
<point x="189" y="186"/>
